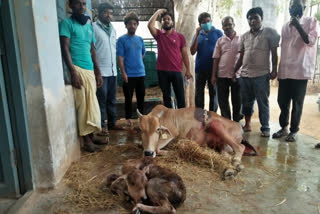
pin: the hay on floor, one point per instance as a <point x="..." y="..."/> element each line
<point x="87" y="176"/>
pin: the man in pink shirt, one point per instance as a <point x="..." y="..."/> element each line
<point x="172" y="51"/>
<point x="225" y="56"/>
<point x="297" y="64"/>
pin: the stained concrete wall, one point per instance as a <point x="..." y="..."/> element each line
<point x="269" y="11"/>
<point x="51" y="111"/>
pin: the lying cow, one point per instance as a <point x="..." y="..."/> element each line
<point x="144" y="180"/>
<point x="162" y="125"/>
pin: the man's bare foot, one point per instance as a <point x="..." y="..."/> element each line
<point x="101" y="141"/>
<point x="246" y="128"/>
<point x="116" y="127"/>
<point x="103" y="132"/>
<point x="129" y="123"/>
<point x="89" y="146"/>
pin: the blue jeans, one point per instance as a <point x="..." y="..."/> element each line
<point x="257" y="88"/>
<point x="107" y="100"/>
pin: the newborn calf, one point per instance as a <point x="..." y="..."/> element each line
<point x="152" y="188"/>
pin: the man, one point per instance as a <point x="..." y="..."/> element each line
<point x="172" y="51"/>
<point x="255" y="48"/>
<point x="297" y="64"/>
<point x="79" y="54"/>
<point x="130" y="52"/>
<point x="106" y="55"/>
<point x="225" y="56"/>
<point x="204" y="42"/>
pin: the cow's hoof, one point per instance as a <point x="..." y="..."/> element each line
<point x="229" y="174"/>
<point x="239" y="167"/>
<point x="236" y="163"/>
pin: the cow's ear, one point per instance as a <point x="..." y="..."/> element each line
<point x="163" y="129"/>
<point x="159" y="130"/>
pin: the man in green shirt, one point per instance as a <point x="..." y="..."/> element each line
<point x="77" y="38"/>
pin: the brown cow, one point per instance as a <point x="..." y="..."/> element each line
<point x="162" y="125"/>
<point x="163" y="188"/>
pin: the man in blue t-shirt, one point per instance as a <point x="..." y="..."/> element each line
<point x="203" y="43"/>
<point x="77" y="38"/>
<point x="130" y="52"/>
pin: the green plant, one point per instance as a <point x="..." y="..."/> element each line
<point x="314" y="2"/>
<point x="317" y="16"/>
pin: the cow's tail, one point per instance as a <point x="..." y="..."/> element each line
<point x="249" y="146"/>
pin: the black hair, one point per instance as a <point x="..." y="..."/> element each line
<point x="131" y="16"/>
<point x="226" y="18"/>
<point x="255" y="10"/>
<point x="166" y="13"/>
<point x="71" y="2"/>
<point x="202" y="16"/>
<point x="103" y="6"/>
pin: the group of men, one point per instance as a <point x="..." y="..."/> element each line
<point x="242" y="64"/>
<point x="224" y="61"/>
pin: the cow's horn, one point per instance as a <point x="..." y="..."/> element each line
<point x="139" y="114"/>
<point x="160" y="114"/>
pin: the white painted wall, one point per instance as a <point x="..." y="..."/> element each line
<point x="50" y="104"/>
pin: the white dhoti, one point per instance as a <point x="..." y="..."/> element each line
<point x="87" y="106"/>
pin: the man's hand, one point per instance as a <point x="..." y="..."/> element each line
<point x="273" y="75"/>
<point x="188" y="74"/>
<point x="198" y="30"/>
<point x="99" y="80"/>
<point x="294" y="21"/>
<point x="213" y="80"/>
<point x="124" y="77"/>
<point x="76" y="81"/>
<point x="160" y="11"/>
<point x="234" y="78"/>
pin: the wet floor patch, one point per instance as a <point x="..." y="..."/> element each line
<point x="284" y="178"/>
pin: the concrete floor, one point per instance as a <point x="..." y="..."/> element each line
<point x="5" y="204"/>
<point x="284" y="178"/>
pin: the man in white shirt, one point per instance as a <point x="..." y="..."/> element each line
<point x="106" y="54"/>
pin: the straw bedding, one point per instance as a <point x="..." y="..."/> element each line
<point x="86" y="177"/>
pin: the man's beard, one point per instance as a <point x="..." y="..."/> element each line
<point x="80" y="18"/>
<point x="167" y="28"/>
<point x="131" y="32"/>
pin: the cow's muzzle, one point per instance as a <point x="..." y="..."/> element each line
<point x="149" y="153"/>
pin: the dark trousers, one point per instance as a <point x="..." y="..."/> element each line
<point x="166" y="78"/>
<point x="224" y="85"/>
<point x="256" y="88"/>
<point x="107" y="100"/>
<point x="134" y="84"/>
<point x="203" y="78"/>
<point x="295" y="91"/>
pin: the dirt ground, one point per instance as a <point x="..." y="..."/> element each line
<point x="310" y="121"/>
